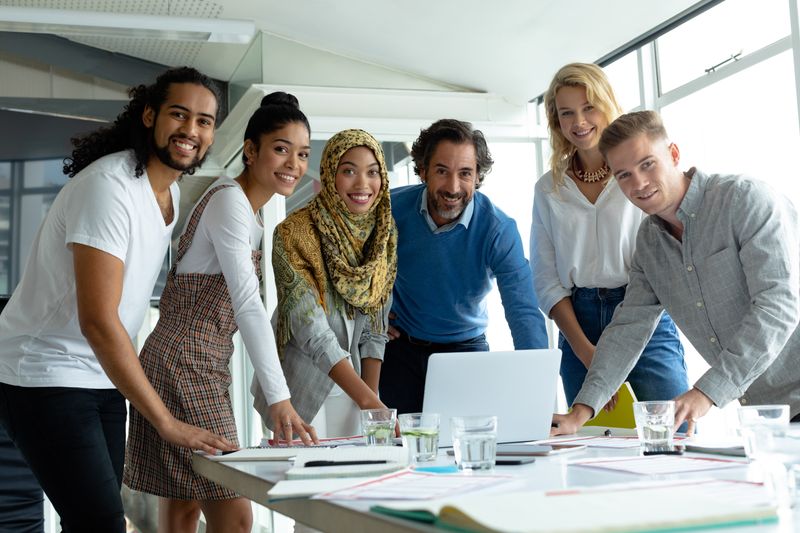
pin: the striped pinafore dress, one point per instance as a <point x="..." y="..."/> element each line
<point x="186" y="360"/>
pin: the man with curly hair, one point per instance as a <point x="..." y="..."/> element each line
<point x="67" y="362"/>
<point x="452" y="243"/>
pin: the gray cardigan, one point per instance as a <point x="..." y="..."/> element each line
<point x="318" y="342"/>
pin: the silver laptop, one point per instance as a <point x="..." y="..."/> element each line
<point x="517" y="386"/>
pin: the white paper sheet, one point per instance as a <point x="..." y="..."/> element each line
<point x="660" y="464"/>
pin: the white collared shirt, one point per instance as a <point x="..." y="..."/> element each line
<point x="575" y="243"/>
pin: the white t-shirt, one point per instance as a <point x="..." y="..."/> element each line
<point x="226" y="235"/>
<point x="575" y="243"/>
<point x="106" y="207"/>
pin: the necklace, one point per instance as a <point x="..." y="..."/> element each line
<point x="588" y="177"/>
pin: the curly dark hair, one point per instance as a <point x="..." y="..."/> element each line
<point x="128" y="131"/>
<point x="457" y="131"/>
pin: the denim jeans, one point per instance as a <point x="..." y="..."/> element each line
<point x="74" y="442"/>
<point x="405" y="365"/>
<point x="660" y="372"/>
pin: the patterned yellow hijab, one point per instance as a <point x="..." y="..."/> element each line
<point x="324" y="245"/>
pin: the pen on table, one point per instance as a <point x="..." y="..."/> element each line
<point x="224" y="452"/>
<point x="344" y="463"/>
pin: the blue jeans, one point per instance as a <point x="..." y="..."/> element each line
<point x="660" y="372"/>
<point x="74" y="442"/>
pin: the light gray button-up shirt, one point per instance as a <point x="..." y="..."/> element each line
<point x="732" y="285"/>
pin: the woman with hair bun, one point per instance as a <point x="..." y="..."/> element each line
<point x="583" y="236"/>
<point x="213" y="289"/>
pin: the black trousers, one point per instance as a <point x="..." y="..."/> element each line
<point x="21" y="499"/>
<point x="405" y="365"/>
<point x="74" y="442"/>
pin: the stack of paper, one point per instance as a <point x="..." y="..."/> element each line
<point x="614" y="508"/>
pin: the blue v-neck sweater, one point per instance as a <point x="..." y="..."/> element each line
<point x="443" y="278"/>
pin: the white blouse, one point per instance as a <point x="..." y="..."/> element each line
<point x="226" y="235"/>
<point x="575" y="243"/>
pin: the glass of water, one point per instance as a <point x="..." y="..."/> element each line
<point x="474" y="441"/>
<point x="763" y="429"/>
<point x="654" y="424"/>
<point x="420" y="432"/>
<point x="378" y="426"/>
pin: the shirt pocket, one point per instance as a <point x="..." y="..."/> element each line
<point x="724" y="290"/>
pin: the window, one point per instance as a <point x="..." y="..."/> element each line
<point x="27" y="190"/>
<point x="624" y="77"/>
<point x="510" y="186"/>
<point x="734" y="28"/>
<point x="741" y="126"/>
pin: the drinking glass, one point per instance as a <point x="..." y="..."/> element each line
<point x="474" y="441"/>
<point x="378" y="426"/>
<point x="763" y="429"/>
<point x="654" y="423"/>
<point x="420" y="432"/>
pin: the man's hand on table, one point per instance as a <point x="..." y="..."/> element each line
<point x="690" y="406"/>
<point x="570" y="423"/>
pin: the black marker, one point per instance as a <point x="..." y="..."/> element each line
<point x="663" y="452"/>
<point x="344" y="463"/>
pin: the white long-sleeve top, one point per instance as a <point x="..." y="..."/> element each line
<point x="575" y="243"/>
<point x="226" y="235"/>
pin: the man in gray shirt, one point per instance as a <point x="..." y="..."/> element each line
<point x="720" y="254"/>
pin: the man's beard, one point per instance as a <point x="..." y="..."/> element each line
<point x="451" y="213"/>
<point x="163" y="154"/>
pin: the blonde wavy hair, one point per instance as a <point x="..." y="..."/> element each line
<point x="598" y="92"/>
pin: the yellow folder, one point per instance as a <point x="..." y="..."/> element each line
<point x="622" y="414"/>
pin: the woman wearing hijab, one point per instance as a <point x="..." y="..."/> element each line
<point x="335" y="263"/>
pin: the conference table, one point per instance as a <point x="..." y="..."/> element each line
<point x="252" y="479"/>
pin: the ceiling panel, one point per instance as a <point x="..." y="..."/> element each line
<point x="508" y="47"/>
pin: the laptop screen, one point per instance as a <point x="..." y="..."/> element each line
<point x="519" y="387"/>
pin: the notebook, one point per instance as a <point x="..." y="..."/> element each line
<point x="519" y="387"/>
<point x="622" y="414"/>
<point x="623" y="508"/>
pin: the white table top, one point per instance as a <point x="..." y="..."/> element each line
<point x="253" y="479"/>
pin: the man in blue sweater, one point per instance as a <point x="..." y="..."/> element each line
<point x="451" y="242"/>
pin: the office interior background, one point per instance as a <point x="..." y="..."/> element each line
<point x="724" y="74"/>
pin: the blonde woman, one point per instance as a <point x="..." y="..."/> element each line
<point x="583" y="236"/>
